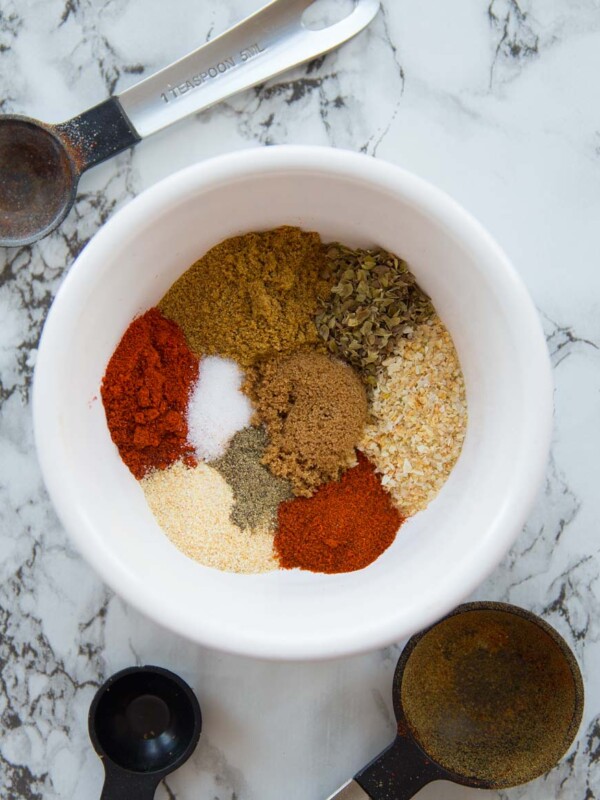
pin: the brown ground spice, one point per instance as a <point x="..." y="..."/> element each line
<point x="490" y="695"/>
<point x="314" y="409"/>
<point x="252" y="296"/>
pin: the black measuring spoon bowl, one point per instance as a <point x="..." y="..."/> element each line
<point x="490" y="697"/>
<point x="144" y="723"/>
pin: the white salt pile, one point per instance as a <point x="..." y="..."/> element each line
<point x="217" y="408"/>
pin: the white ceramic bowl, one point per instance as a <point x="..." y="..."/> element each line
<point x="439" y="556"/>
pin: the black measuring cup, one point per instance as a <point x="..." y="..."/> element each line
<point x="40" y="164"/>
<point x="144" y="723"/>
<point x="490" y="697"/>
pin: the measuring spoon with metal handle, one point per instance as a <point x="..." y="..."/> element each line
<point x="490" y="697"/>
<point x="40" y="164"/>
<point x="144" y="723"/>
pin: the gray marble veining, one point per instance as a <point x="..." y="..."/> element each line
<point x="496" y="101"/>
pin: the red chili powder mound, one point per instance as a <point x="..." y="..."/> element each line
<point x="145" y="392"/>
<point x="343" y="527"/>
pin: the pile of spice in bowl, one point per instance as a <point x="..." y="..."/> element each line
<point x="288" y="404"/>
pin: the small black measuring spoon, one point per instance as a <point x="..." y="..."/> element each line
<point x="490" y="697"/>
<point x="144" y="723"/>
<point x="40" y="164"/>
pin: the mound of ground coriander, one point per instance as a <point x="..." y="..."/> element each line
<point x="252" y="296"/>
<point x="314" y="409"/>
<point x="419" y="417"/>
<point x="257" y="493"/>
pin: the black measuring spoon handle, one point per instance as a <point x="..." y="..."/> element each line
<point x="119" y="784"/>
<point x="399" y="772"/>
<point x="97" y="134"/>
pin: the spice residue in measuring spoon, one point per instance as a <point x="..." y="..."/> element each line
<point x="145" y="393"/>
<point x="257" y="493"/>
<point x="252" y="296"/>
<point x="217" y="408"/>
<point x="193" y="507"/>
<point x="314" y="409"/>
<point x="344" y="527"/>
<point x="476" y="694"/>
<point x="36" y="179"/>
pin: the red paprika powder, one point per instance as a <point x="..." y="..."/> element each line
<point x="343" y="527"/>
<point x="145" y="392"/>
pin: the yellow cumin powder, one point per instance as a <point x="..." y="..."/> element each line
<point x="252" y="296"/>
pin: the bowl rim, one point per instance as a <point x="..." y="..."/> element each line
<point x="381" y="175"/>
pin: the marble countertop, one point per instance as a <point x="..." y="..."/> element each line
<point x="496" y="101"/>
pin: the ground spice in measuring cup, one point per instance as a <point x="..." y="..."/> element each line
<point x="344" y="527"/>
<point x="145" y="392"/>
<point x="490" y="693"/>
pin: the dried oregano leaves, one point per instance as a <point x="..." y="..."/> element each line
<point x="374" y="302"/>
